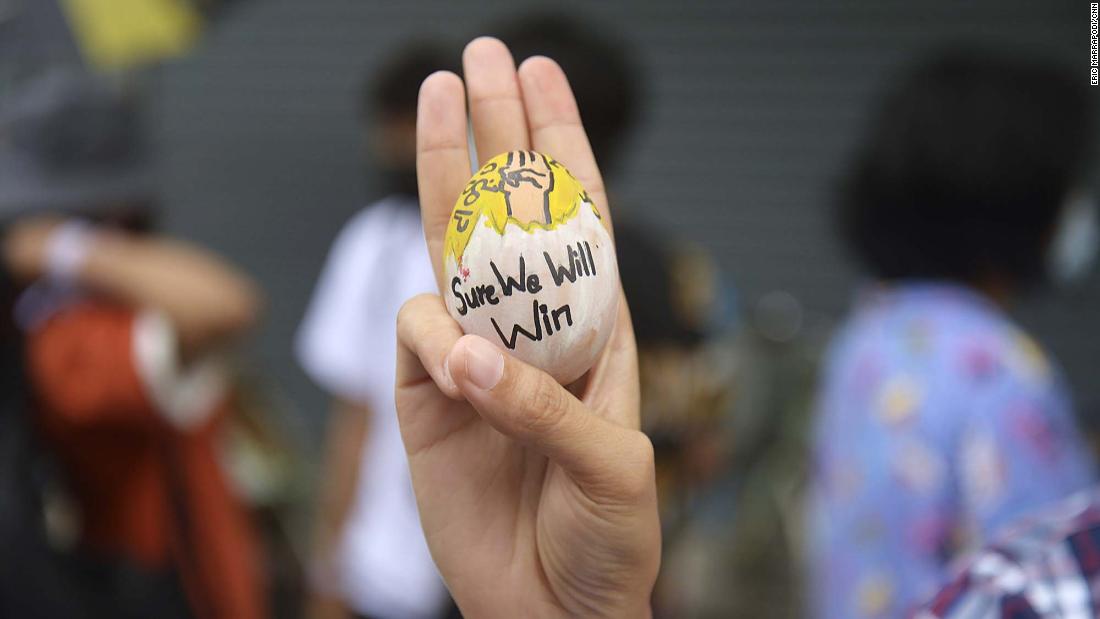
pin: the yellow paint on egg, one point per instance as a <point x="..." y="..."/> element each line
<point x="529" y="265"/>
<point x="486" y="197"/>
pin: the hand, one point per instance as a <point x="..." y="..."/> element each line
<point x="534" y="502"/>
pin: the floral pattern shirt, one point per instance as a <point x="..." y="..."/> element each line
<point x="937" y="422"/>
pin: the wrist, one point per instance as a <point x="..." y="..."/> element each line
<point x="38" y="247"/>
<point x="66" y="250"/>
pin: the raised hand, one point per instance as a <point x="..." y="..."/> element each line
<point x="535" y="502"/>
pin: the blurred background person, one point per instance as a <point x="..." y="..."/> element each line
<point x="1042" y="565"/>
<point x="122" y="334"/>
<point x="33" y="576"/>
<point x="939" y="419"/>
<point x="369" y="554"/>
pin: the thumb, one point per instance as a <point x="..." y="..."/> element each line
<point x="529" y="406"/>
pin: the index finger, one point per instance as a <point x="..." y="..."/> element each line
<point x="442" y="157"/>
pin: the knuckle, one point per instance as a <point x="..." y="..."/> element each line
<point x="546" y="406"/>
<point x="422" y="323"/>
<point x="405" y="316"/>
<point x="412" y="310"/>
<point x="493" y="97"/>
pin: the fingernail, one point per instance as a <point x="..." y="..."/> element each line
<point x="484" y="363"/>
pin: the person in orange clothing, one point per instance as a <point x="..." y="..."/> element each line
<point x="122" y="333"/>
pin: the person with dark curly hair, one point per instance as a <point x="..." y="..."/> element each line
<point x="938" y="419"/>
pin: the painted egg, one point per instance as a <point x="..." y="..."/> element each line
<point x="530" y="266"/>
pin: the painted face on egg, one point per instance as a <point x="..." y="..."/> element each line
<point x="530" y="266"/>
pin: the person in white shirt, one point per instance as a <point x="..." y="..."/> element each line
<point x="370" y="558"/>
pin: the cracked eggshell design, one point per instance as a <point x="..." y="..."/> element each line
<point x="530" y="266"/>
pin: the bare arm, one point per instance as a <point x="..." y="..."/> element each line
<point x="204" y="297"/>
<point x="345" y="436"/>
<point x="535" y="501"/>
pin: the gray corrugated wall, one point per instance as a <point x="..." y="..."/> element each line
<point x="750" y="108"/>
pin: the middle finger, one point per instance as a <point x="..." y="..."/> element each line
<point x="496" y="106"/>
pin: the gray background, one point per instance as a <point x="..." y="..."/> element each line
<point x="749" y="110"/>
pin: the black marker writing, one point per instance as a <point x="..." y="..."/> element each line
<point x="481" y="294"/>
<point x="526" y="283"/>
<point x="579" y="261"/>
<point x="546" y="321"/>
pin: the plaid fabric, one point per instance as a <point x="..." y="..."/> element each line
<point x="1047" y="566"/>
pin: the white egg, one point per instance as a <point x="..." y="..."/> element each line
<point x="530" y="266"/>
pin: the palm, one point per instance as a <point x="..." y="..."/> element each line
<point x="474" y="484"/>
<point x="516" y="523"/>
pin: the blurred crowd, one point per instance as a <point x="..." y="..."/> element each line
<point x="804" y="468"/>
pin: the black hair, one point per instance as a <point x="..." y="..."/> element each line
<point x="965" y="169"/>
<point x="600" y="72"/>
<point x="391" y="90"/>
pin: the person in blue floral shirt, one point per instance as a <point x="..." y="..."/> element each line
<point x="938" y="420"/>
